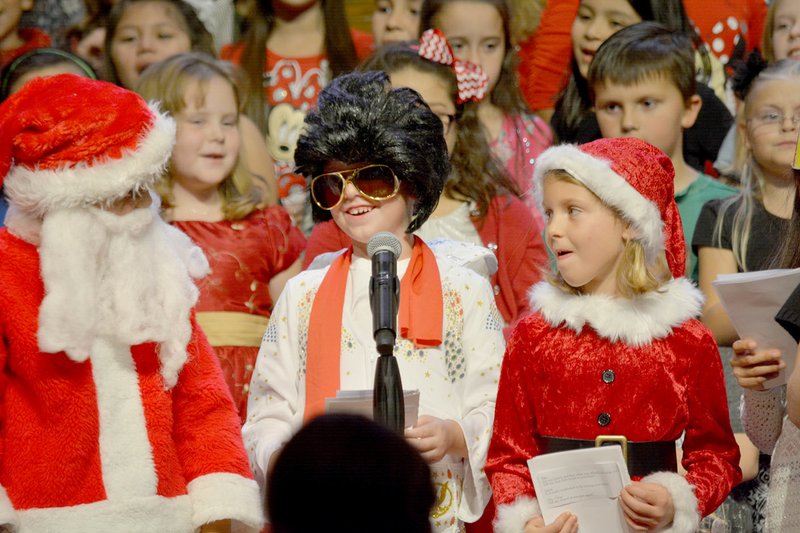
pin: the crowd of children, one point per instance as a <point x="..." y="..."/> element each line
<point x="565" y="179"/>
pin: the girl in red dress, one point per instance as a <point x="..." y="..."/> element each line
<point x="208" y="194"/>
<point x="613" y="348"/>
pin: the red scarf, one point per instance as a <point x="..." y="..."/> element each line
<point x="420" y="317"/>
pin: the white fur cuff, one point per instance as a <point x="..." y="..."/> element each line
<point x="687" y="518"/>
<point x="223" y="496"/>
<point x="511" y="518"/>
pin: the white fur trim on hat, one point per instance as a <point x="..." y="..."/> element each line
<point x="8" y="516"/>
<point x="635" y="321"/>
<point x="512" y="517"/>
<point x="684" y="502"/>
<point x="39" y="191"/>
<point x="612" y="189"/>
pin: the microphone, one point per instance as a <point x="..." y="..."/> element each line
<point x="388" y="406"/>
<point x="384" y="289"/>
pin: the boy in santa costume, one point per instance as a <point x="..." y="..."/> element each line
<point x="613" y="348"/>
<point x="115" y="416"/>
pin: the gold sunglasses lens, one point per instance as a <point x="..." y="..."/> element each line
<point x="377" y="182"/>
<point x="327" y="190"/>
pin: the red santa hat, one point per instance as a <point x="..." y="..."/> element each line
<point x="68" y="141"/>
<point x="633" y="177"/>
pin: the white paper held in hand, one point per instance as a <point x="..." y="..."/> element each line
<point x="359" y="402"/>
<point x="585" y="483"/>
<point x="752" y="299"/>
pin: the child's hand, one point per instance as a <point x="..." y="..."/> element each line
<point x="565" y="523"/>
<point x="647" y="506"/>
<point x="752" y="367"/>
<point x="434" y="438"/>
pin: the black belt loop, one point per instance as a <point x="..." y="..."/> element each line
<point x="642" y="458"/>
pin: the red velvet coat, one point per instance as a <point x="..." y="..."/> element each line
<point x="667" y="379"/>
<point x="508" y="230"/>
<point x="103" y="445"/>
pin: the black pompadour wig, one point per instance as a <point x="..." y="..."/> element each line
<point x="360" y="118"/>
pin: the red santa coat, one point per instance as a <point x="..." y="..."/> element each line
<point x="102" y="445"/>
<point x="589" y="365"/>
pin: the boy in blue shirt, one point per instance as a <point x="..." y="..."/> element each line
<point x="642" y="82"/>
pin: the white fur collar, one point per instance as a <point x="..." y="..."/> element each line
<point x="637" y="321"/>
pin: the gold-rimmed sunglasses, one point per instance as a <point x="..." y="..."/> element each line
<point x="376" y="182"/>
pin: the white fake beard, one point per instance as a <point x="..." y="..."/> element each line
<point x="126" y="278"/>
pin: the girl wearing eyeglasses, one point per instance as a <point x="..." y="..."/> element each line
<point x="210" y="196"/>
<point x="743" y="232"/>
<point x="479" y="203"/>
<point x="377" y="160"/>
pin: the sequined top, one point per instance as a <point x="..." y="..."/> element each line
<point x="522" y="138"/>
<point x="244" y="255"/>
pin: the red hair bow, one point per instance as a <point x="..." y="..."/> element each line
<point x="472" y="80"/>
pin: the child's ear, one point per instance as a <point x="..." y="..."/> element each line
<point x="26" y="5"/>
<point x="629" y="233"/>
<point x="741" y="132"/>
<point x="693" y="105"/>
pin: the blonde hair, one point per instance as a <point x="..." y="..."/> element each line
<point x="635" y="274"/>
<point x="167" y="82"/>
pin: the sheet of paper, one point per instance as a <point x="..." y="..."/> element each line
<point x="752" y="299"/>
<point x="584" y="482"/>
<point x="359" y="402"/>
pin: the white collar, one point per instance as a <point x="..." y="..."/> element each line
<point x="635" y="321"/>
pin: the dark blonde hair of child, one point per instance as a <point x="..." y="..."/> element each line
<point x="752" y="180"/>
<point x="635" y="275"/>
<point x="167" y="82"/>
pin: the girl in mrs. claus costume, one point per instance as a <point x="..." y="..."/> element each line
<point x="613" y="347"/>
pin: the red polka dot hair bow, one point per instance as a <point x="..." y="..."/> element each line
<point x="472" y="80"/>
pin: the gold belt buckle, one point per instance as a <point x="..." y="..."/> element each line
<point x="602" y="440"/>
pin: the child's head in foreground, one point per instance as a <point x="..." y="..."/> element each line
<point x="362" y="477"/>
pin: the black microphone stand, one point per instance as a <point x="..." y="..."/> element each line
<point x="388" y="405"/>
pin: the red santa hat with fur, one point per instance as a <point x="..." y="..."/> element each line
<point x="633" y="177"/>
<point x="68" y="141"/>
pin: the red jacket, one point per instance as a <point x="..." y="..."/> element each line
<point x="103" y="445"/>
<point x="508" y="230"/>
<point x="587" y="365"/>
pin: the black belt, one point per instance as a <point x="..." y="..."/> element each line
<point x="642" y="457"/>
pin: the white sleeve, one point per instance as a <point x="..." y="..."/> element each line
<point x="762" y="416"/>
<point x="276" y="401"/>
<point x="483" y="346"/>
